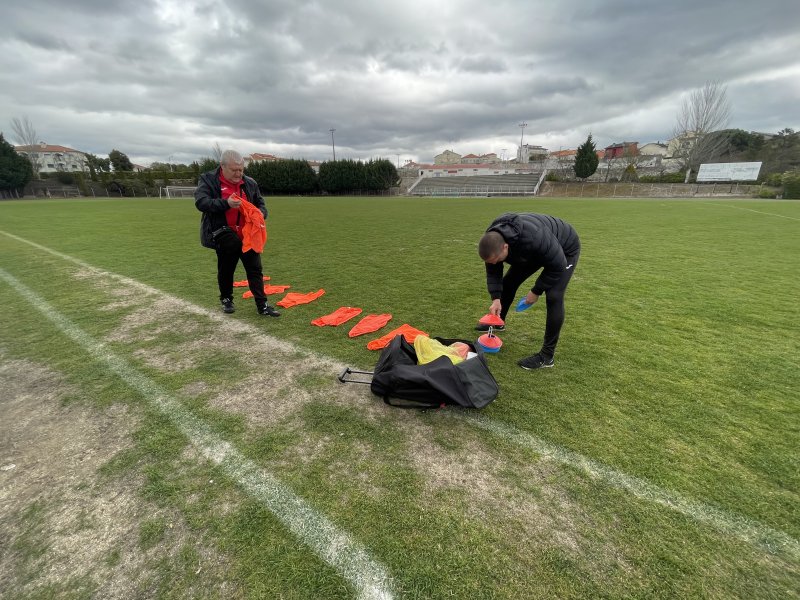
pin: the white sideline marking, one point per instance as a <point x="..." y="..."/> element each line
<point x="761" y="212"/>
<point x="335" y="547"/>
<point x="756" y="534"/>
<point x="234" y="325"/>
<point x="733" y="524"/>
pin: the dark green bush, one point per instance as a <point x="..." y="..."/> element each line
<point x="629" y="175"/>
<point x="766" y="192"/>
<point x="289" y="176"/>
<point x="663" y="178"/>
<point x="791" y="184"/>
<point x="65" y="178"/>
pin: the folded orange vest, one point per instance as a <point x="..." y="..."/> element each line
<point x="369" y="324"/>
<point x="337" y="317"/>
<point x="406" y="330"/>
<point x="244" y="283"/>
<point x="269" y="289"/>
<point x="294" y="299"/>
<point x="254" y="230"/>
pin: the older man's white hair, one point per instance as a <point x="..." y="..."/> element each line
<point x="231" y="157"/>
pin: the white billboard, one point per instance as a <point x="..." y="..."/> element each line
<point x="744" y="171"/>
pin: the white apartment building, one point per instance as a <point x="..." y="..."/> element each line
<point x="52" y="159"/>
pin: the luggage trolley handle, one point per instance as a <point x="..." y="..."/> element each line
<point x="349" y="371"/>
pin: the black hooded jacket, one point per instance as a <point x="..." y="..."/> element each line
<point x="208" y="200"/>
<point x="534" y="241"/>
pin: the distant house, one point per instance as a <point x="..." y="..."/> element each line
<point x="52" y="159"/>
<point x="564" y="155"/>
<point x="681" y="144"/>
<point x="258" y="157"/>
<point x="622" y="149"/>
<point x="527" y="153"/>
<point x="470" y="159"/>
<point x="653" y="149"/>
<point x="448" y="157"/>
<point x="467" y="169"/>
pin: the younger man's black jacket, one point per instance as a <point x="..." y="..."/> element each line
<point x="534" y="241"/>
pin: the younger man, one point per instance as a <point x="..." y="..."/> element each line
<point x="529" y="242"/>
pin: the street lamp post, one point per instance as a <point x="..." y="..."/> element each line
<point x="333" y="144"/>
<point x="522" y="127"/>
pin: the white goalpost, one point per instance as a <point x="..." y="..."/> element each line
<point x="177" y="191"/>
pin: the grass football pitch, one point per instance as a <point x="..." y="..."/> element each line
<point x="152" y="447"/>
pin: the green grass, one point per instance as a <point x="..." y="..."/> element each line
<point x="679" y="364"/>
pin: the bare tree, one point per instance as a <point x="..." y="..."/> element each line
<point x="25" y="135"/>
<point x="216" y="152"/>
<point x="703" y="113"/>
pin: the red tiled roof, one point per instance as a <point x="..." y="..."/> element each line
<point x="45" y="148"/>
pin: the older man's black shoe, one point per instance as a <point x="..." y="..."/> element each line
<point x="268" y="311"/>
<point x="227" y="305"/>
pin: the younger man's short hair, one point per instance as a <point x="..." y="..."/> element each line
<point x="491" y="244"/>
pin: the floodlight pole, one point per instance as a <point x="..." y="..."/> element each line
<point x="333" y="145"/>
<point x="522" y="127"/>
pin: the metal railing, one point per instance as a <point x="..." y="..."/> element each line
<point x="476" y="190"/>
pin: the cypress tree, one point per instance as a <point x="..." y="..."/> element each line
<point x="586" y="160"/>
<point x="15" y="170"/>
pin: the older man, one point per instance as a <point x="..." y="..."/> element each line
<point x="218" y="196"/>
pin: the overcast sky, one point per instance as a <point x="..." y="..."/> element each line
<point x="164" y="80"/>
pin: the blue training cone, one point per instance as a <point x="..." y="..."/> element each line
<point x="489" y="342"/>
<point x="522" y="305"/>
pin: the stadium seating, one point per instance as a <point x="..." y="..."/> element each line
<point x="477" y="185"/>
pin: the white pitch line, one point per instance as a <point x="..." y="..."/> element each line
<point x="370" y="579"/>
<point x="752" y="532"/>
<point x="733" y="524"/>
<point x="760" y="212"/>
<point x="233" y="325"/>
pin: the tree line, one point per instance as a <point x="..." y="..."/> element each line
<point x="293" y="176"/>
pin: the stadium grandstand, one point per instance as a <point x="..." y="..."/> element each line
<point x="517" y="184"/>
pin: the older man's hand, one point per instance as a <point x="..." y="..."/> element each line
<point x="234" y="201"/>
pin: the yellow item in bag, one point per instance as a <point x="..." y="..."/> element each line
<point x="429" y="350"/>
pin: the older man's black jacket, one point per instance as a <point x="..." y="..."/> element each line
<point x="208" y="200"/>
<point x="534" y="241"/>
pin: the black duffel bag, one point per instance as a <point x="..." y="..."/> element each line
<point x="400" y="381"/>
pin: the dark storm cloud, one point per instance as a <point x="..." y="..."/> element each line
<point x="165" y="78"/>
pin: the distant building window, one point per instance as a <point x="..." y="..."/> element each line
<point x="50" y="165"/>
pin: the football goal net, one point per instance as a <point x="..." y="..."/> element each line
<point x="177" y="191"/>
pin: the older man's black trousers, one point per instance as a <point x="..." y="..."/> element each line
<point x="554" y="298"/>
<point x="226" y="267"/>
